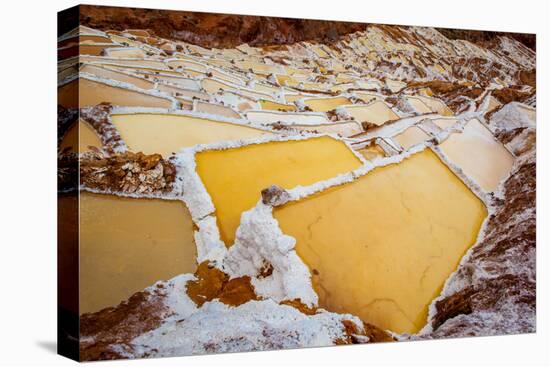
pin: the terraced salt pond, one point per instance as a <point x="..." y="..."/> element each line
<point x="326" y="104"/>
<point x="79" y="137"/>
<point x="270" y="105"/>
<point x="410" y="137"/>
<point x="372" y="151"/>
<point x="377" y="113"/>
<point x="479" y="155"/>
<point x="386" y="259"/>
<point x="234" y="178"/>
<point x="114" y="75"/>
<point x="128" y="244"/>
<point x="93" y="92"/>
<point x="167" y="133"/>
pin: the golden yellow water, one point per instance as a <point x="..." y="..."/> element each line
<point x="92" y="49"/>
<point x="371" y="152"/>
<point x="382" y="246"/>
<point x="92" y="93"/>
<point x="129" y="244"/>
<point x="377" y="113"/>
<point x="234" y="178"/>
<point x="216" y="109"/>
<point x="291" y="98"/>
<point x="270" y="105"/>
<point x="368" y="96"/>
<point x="436" y="106"/>
<point x="326" y="104"/>
<point x="411" y="136"/>
<point x="80" y="137"/>
<point x="479" y="155"/>
<point x="114" y="75"/>
<point x="165" y="134"/>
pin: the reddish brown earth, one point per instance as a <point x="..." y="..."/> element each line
<point x="142" y="312"/>
<point x="212" y="283"/>
<point x="126" y="172"/>
<point x="216" y="30"/>
<point x="485" y="38"/>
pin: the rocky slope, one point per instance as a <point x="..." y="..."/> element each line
<point x="228" y="30"/>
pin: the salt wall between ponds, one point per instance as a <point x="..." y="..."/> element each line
<point x="234" y="178"/>
<point x="386" y="259"/>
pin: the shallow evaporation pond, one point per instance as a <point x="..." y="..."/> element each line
<point x="235" y="177"/>
<point x="382" y="246"/>
<point x="128" y="244"/>
<point x="326" y="104"/>
<point x="114" y="75"/>
<point x="371" y="152"/>
<point x="419" y="105"/>
<point x="79" y="137"/>
<point x="481" y="157"/>
<point x="410" y="137"/>
<point x="166" y="133"/>
<point x="436" y="106"/>
<point x="271" y="105"/>
<point x="377" y="113"/>
<point x="444" y="123"/>
<point x="92" y="93"/>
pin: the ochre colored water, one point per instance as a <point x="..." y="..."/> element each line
<point x="216" y="109"/>
<point x="114" y="75"/>
<point x="129" y="244"/>
<point x="164" y="134"/>
<point x="326" y="104"/>
<point x="92" y="49"/>
<point x="377" y="113"/>
<point x="479" y="155"/>
<point x="371" y="152"/>
<point x="411" y="136"/>
<point x="270" y="105"/>
<point x="367" y="96"/>
<point x="92" y="93"/>
<point x="132" y="53"/>
<point x="67" y="94"/>
<point x="382" y="246"/>
<point x="291" y="98"/>
<point x="80" y="137"/>
<point x="234" y="178"/>
<point x="436" y="106"/>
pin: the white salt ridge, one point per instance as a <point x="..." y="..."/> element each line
<point x="253" y="326"/>
<point x="510" y="116"/>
